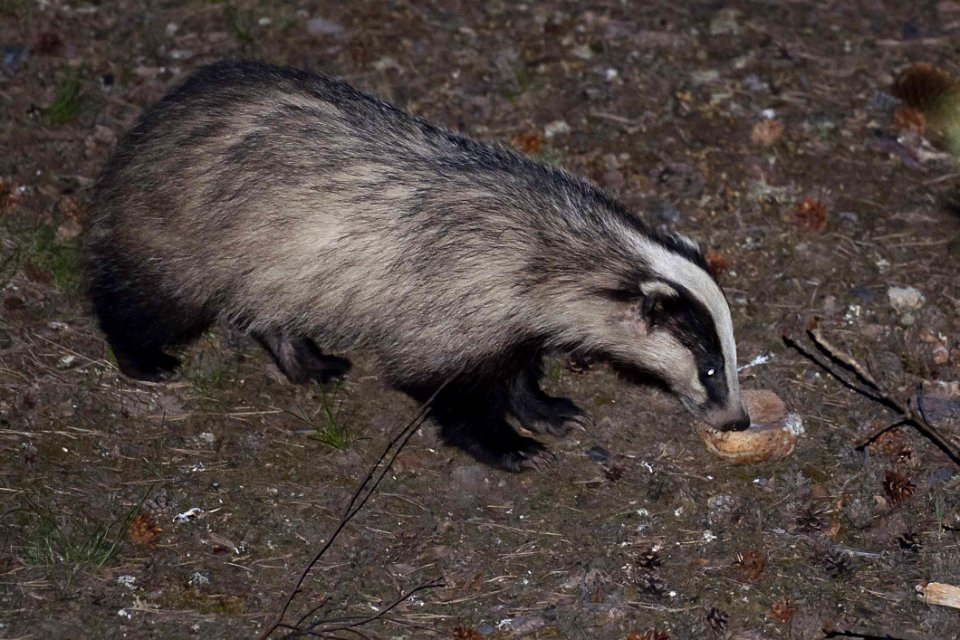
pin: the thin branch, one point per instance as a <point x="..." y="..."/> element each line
<point x="380" y="614"/>
<point x="356" y="502"/>
<point x="862" y="635"/>
<point x="840" y="357"/>
<point x="869" y="440"/>
<point x="875" y="392"/>
<point x="793" y="344"/>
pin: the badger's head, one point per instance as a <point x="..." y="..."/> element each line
<point x="670" y="319"/>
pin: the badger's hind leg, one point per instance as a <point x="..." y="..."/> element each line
<point x="539" y="412"/>
<point x="474" y="420"/>
<point x="139" y="324"/>
<point x="300" y="359"/>
<point x="150" y="365"/>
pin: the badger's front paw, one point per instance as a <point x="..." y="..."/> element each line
<point x="496" y="443"/>
<point x="556" y="416"/>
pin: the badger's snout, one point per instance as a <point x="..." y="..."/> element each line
<point x="730" y="420"/>
<point x="740" y="423"/>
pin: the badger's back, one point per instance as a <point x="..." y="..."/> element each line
<point x="277" y="198"/>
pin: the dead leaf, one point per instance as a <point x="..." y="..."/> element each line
<point x="810" y="215"/>
<point x="766" y="133"/>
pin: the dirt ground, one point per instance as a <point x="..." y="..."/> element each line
<point x="767" y="131"/>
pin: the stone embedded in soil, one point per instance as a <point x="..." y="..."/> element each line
<point x="324" y="27"/>
<point x="904" y="299"/>
<point x="556" y="128"/>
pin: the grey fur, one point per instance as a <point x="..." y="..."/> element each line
<point x="294" y="206"/>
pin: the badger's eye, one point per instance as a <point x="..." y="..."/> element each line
<point x="710" y="372"/>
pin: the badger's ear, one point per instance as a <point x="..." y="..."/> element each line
<point x="645" y="309"/>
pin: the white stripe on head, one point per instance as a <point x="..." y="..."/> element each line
<point x="670" y="265"/>
<point x="658" y="287"/>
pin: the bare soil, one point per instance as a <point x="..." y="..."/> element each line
<point x="819" y="211"/>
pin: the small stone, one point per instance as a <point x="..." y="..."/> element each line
<point x="324" y="27"/>
<point x="69" y="230"/>
<point x="726" y="22"/>
<point x="598" y="454"/>
<point x="722" y="503"/>
<point x="104" y="134"/>
<point x="556" y="128"/>
<point x="13" y="56"/>
<point x="668" y="214"/>
<point x="849" y="218"/>
<point x="583" y="51"/>
<point x="386" y="62"/>
<point x="941" y="355"/>
<point x="705" y="76"/>
<point x="198" y="579"/>
<point x="904" y="299"/>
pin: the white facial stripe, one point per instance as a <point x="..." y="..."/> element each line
<point x="672" y="266"/>
<point x="657" y="287"/>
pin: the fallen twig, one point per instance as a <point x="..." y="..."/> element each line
<point x="869" y="440"/>
<point x="862" y="635"/>
<point x="870" y="388"/>
<point x="374" y="476"/>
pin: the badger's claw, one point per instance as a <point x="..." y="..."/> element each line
<point x="530" y="455"/>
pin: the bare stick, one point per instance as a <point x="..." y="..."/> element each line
<point x="793" y="344"/>
<point x="840" y="357"/>
<point x="353" y="507"/>
<point x="863" y="635"/>
<point x="875" y="392"/>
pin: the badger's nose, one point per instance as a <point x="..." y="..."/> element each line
<point x="741" y="423"/>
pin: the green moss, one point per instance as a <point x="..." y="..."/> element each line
<point x="59" y="258"/>
<point x="240" y="24"/>
<point x="68" y="102"/>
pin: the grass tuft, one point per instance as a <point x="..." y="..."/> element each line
<point x="326" y="424"/>
<point x="55" y="541"/>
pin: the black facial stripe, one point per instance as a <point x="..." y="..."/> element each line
<point x="690" y="322"/>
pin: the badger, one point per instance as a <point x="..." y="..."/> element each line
<point x="320" y="219"/>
